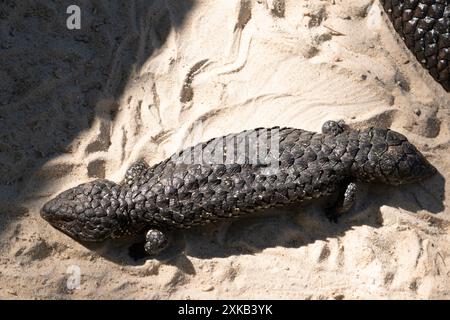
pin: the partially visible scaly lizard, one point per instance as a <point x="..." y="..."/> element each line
<point x="424" y="25"/>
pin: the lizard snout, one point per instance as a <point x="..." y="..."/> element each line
<point x="86" y="212"/>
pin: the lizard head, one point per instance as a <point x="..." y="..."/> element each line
<point x="392" y="159"/>
<point x="86" y="212"/>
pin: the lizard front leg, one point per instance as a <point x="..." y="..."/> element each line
<point x="155" y="242"/>
<point x="344" y="202"/>
<point x="135" y="172"/>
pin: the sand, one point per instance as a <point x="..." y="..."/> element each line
<point x="147" y="78"/>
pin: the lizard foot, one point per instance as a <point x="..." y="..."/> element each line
<point x="135" y="171"/>
<point x="155" y="242"/>
<point x="333" y="127"/>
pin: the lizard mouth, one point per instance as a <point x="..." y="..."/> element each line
<point x="65" y="225"/>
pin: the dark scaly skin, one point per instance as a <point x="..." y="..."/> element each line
<point x="178" y="194"/>
<point x="424" y="25"/>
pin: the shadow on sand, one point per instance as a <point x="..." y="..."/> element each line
<point x="53" y="79"/>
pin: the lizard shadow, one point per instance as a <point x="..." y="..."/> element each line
<point x="291" y="226"/>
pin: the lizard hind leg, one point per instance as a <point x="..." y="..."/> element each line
<point x="135" y="171"/>
<point x="344" y="202"/>
<point x="155" y="242"/>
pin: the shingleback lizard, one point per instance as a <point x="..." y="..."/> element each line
<point x="296" y="166"/>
